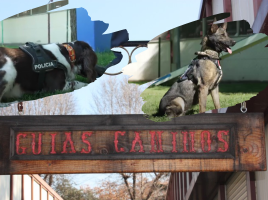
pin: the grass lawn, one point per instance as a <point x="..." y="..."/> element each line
<point x="230" y="94"/>
<point x="104" y="59"/>
<point x="12" y="47"/>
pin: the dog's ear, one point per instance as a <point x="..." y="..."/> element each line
<point x="224" y="25"/>
<point x="214" y="27"/>
<point x="89" y="62"/>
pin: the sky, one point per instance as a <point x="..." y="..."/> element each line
<point x="143" y="19"/>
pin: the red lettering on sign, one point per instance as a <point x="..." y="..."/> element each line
<point x="203" y="141"/>
<point x="158" y="142"/>
<point x="84" y="137"/>
<point x="174" y="143"/>
<point x="68" y="139"/>
<point x="39" y="144"/>
<point x="226" y="146"/>
<point x="137" y="139"/>
<point x="18" y="144"/>
<point x="53" y="135"/>
<point x="116" y="141"/>
<point x="192" y="142"/>
<point x="185" y="141"/>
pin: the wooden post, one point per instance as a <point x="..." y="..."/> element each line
<point x="204" y="27"/>
<point x="178" y="55"/>
<point x="48" y="23"/>
<point x="159" y="57"/>
<point x="11" y="187"/>
<point x="251" y="187"/>
<point x="22" y="187"/>
<point x="41" y="192"/>
<point x="67" y="25"/>
<point x="32" y="188"/>
<point x="237" y="28"/>
<point x="73" y="24"/>
<point x="2" y="26"/>
<point x="221" y="192"/>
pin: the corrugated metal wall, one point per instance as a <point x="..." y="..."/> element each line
<point x="236" y="188"/>
<point x="243" y="9"/>
<point x="262" y="177"/>
<point x="217" y="7"/>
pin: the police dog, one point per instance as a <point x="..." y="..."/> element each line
<point x="205" y="77"/>
<point x="17" y="76"/>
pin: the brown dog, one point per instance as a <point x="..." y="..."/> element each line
<point x="202" y="77"/>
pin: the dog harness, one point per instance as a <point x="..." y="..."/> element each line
<point x="188" y="74"/>
<point x="41" y="62"/>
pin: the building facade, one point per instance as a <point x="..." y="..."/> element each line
<point x="173" y="50"/>
<point x="229" y="185"/>
<point x="41" y="25"/>
<point x="26" y="187"/>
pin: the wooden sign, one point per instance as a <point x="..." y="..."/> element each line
<point x="125" y="144"/>
<point x="131" y="143"/>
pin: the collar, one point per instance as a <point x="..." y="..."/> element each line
<point x="71" y="52"/>
<point x="208" y="52"/>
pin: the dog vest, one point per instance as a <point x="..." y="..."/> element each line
<point x="41" y="62"/>
<point x="188" y="74"/>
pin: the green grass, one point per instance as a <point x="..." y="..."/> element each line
<point x="138" y="82"/>
<point x="105" y="58"/>
<point x="34" y="96"/>
<point x="230" y="94"/>
<point x="12" y="47"/>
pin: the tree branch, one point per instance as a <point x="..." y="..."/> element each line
<point x="125" y="177"/>
<point x="134" y="185"/>
<point x="158" y="176"/>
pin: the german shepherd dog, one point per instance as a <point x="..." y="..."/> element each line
<point x="205" y="73"/>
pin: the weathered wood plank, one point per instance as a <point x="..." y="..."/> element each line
<point x="92" y="144"/>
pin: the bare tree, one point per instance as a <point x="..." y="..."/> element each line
<point x="134" y="186"/>
<point x="118" y="97"/>
<point x="62" y="104"/>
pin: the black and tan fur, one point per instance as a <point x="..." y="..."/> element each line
<point x="183" y="95"/>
